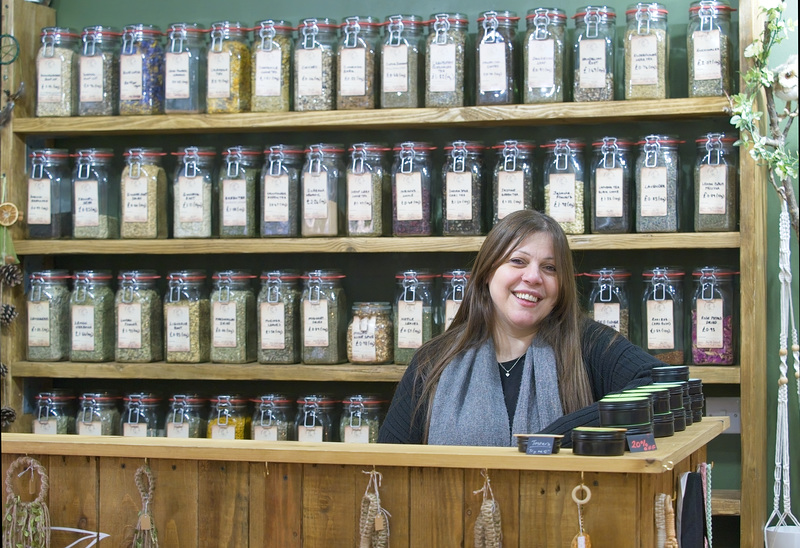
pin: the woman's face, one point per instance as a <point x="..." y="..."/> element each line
<point x="524" y="288"/>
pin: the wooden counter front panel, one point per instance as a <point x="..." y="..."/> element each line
<point x="200" y="504"/>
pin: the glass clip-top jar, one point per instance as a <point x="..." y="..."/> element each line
<point x="608" y="299"/>
<point x="662" y="314"/>
<point x="273" y="418"/>
<point x="55" y="412"/>
<point x="414" y="322"/>
<point x="229" y="419"/>
<point x="187" y="416"/>
<point x="370" y="334"/>
<point x="361" y="419"/>
<point x="713" y="316"/>
<point x="316" y="418"/>
<point x="142" y="416"/>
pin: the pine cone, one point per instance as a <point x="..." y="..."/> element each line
<point x="3" y="369"/>
<point x="11" y="275"/>
<point x="8" y="313"/>
<point x="7" y="416"/>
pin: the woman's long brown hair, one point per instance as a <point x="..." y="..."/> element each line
<point x="474" y="322"/>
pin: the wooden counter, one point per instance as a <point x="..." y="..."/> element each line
<point x="214" y="493"/>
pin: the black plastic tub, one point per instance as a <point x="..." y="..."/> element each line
<point x="625" y="409"/>
<point x="664" y="425"/>
<point x="598" y="442"/>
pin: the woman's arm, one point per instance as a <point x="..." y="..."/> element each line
<point x="401" y="424"/>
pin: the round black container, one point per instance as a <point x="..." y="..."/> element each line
<point x="664" y="425"/>
<point x="675" y="394"/>
<point x="660" y="396"/>
<point x="695" y="386"/>
<point x="637" y="429"/>
<point x="687" y="409"/>
<point x="698" y="400"/>
<point x="617" y="410"/>
<point x="670" y="373"/>
<point x="679" y="416"/>
<point x="604" y="442"/>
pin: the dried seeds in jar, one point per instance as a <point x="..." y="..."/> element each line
<point x="55" y="412"/>
<point x="315" y="65"/>
<point x="185" y="65"/>
<point x="412" y="213"/>
<point x="187" y="416"/>
<point x="543" y="56"/>
<point x="593" y="54"/>
<point x="646" y="51"/>
<point x="48" y="316"/>
<point x="369" y="334"/>
<point x="445" y="60"/>
<point x="414" y="320"/>
<point x="709" y="48"/>
<point x="233" y="318"/>
<point x="496" y="59"/>
<point x="367" y="189"/>
<point x="186" y="317"/>
<point x="193" y="193"/>
<point x="279" y="317"/>
<point x="229" y="419"/>
<point x="512" y="180"/>
<point x="139" y="317"/>
<point x="610" y="186"/>
<point x="401" y="65"/>
<point x="323" y="323"/>
<point x="564" y="184"/>
<point x="321" y="186"/>
<point x="356" y="57"/>
<point x="98" y="414"/>
<point x="273" y="418"/>
<point x="238" y="187"/>
<point x="49" y="205"/>
<point x="716" y="181"/>
<point x="228" y="87"/>
<point x="361" y="418"/>
<point x="280" y="189"/>
<point x="141" y="70"/>
<point x="271" y="66"/>
<point x="658" y="184"/>
<point x="98" y="72"/>
<point x="95" y="190"/>
<point x="92" y="317"/>
<point x="662" y="314"/>
<point x="143" y="187"/>
<point x="608" y="299"/>
<point x="462" y="200"/>
<point x="57" y="73"/>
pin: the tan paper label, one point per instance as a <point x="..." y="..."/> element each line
<point x="395" y="69"/>
<point x="268" y="73"/>
<point x="179" y="337"/>
<point x="710" y="323"/>
<point x="82" y="327"/>
<point x="653" y="201"/>
<point x="608" y="197"/>
<point x="234" y="202"/>
<point x="707" y="55"/>
<point x="315" y="321"/>
<point x="223" y="325"/>
<point x="276" y="199"/>
<point x="219" y="75"/>
<point x="91" y="79"/>
<point x="130" y="77"/>
<point x="359" y="196"/>
<point x="561" y="187"/>
<point x="49" y="80"/>
<point x="541" y="63"/>
<point x="309" y="72"/>
<point x="592" y="71"/>
<point x="134" y="200"/>
<point x="273" y="334"/>
<point x="492" y="67"/>
<point x="660" y="325"/>
<point x="442" y="68"/>
<point x="39" y="324"/>
<point x="644" y="60"/>
<point x="409" y="324"/>
<point x="408" y="189"/>
<point x="459" y="196"/>
<point x="176" y="79"/>
<point x="87" y="203"/>
<point x="39" y="204"/>
<point x="713" y="191"/>
<point x="607" y="314"/>
<point x="352" y="71"/>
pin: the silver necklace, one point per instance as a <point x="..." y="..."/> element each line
<point x="508" y="371"/>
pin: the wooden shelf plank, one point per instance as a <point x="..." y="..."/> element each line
<point x="210" y="371"/>
<point x="726" y="502"/>
<point x="431" y="244"/>
<point x="483" y="116"/>
<point x="716" y="374"/>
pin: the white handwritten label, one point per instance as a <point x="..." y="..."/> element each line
<point x="276" y="199"/>
<point x="82" y="327"/>
<point x="178" y="430"/>
<point x="408" y="202"/>
<point x="223" y="432"/>
<point x="309" y="433"/>
<point x="607" y="314"/>
<point x="130" y="78"/>
<point x="190" y="199"/>
<point x="272" y="326"/>
<point x="362" y="338"/>
<point x="492" y="69"/>
<point x="309" y="72"/>
<point x="134" y="200"/>
<point x="592" y="71"/>
<point x="707" y="54"/>
<point x="510" y="192"/>
<point x="47" y="427"/>
<point x="442" y="68"/>
<point x="541" y="63"/>
<point x="134" y="430"/>
<point x="450" y="309"/>
<point x="91" y="79"/>
<point x="265" y="433"/>
<point x="653" y="201"/>
<point x="359" y="197"/>
<point x="39" y="204"/>
<point x="713" y="191"/>
<point x="129" y="325"/>
<point x="223" y="323"/>
<point x="179" y="337"/>
<point x="87" y="203"/>
<point x="268" y="73"/>
<point x="395" y="69"/>
<point x="356" y="435"/>
<point x="39" y="323"/>
<point x="219" y="75"/>
<point x="710" y="323"/>
<point x="49" y="80"/>
<point x="608" y="198"/>
<point x="177" y="80"/>
<point x="315" y="323"/>
<point x="459" y="196"/>
<point x="315" y="195"/>
<point x="352" y="71"/>
<point x="94" y="428"/>
<point x="234" y="202"/>
<point x="409" y="324"/>
<point x="561" y="188"/>
<point x="660" y="325"/>
<point x="644" y="60"/>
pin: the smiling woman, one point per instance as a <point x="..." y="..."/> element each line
<point x="520" y="315"/>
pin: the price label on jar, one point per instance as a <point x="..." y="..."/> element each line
<point x="356" y="435"/>
<point x="309" y="433"/>
<point x="179" y="336"/>
<point x="39" y="205"/>
<point x="541" y="64"/>
<point x="190" y="199"/>
<point x="607" y="314"/>
<point x="48" y="427"/>
<point x="408" y="190"/>
<point x="315" y="195"/>
<point x="608" y="197"/>
<point x="712" y="194"/>
<point x="309" y="72"/>
<point x="561" y="190"/>
<point x="268" y="73"/>
<point x="134" y="430"/>
<point x="265" y="433"/>
<point x="510" y="192"/>
<point x="176" y="79"/>
<point x="450" y="309"/>
<point x="87" y="203"/>
<point x="94" y="428"/>
<point x="224" y="325"/>
<point x="82" y="327"/>
<point x="134" y="200"/>
<point x="644" y="60"/>
<point x="707" y="55"/>
<point x="654" y="192"/>
<point x="359" y="196"/>
<point x="130" y="77"/>
<point x="409" y="324"/>
<point x="709" y="323"/>
<point x="492" y="69"/>
<point x="315" y="322"/>
<point x="352" y="71"/>
<point x="459" y="196"/>
<point x="234" y="202"/>
<point x="49" y="80"/>
<point x="276" y="199"/>
<point x="39" y="324"/>
<point x="660" y="325"/>
<point x="91" y="79"/>
<point x="178" y="430"/>
<point x="219" y="75"/>
<point x="592" y="71"/>
<point x="395" y="69"/>
<point x="442" y="68"/>
<point x="223" y="432"/>
<point x="129" y="325"/>
<point x="362" y="338"/>
<point x="273" y="333"/>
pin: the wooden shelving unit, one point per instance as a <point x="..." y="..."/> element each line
<point x="24" y="19"/>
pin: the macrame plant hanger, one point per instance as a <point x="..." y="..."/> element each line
<point x="782" y="526"/>
<point x="26" y="524"/>
<point x="145" y="535"/>
<point x="488" y="526"/>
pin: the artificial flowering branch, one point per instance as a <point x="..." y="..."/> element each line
<point x="770" y="149"/>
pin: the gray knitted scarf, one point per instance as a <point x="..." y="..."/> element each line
<point x="469" y="407"/>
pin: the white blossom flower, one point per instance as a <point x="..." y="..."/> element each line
<point x="770" y="4"/>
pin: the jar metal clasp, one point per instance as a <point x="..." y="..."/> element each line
<point x="128" y="38"/>
<point x="314" y="286"/>
<point x="134" y="410"/>
<point x="37" y="165"/>
<point x="356" y="410"/>
<point x="217" y="35"/>
<point x="267" y="34"/>
<point x="541" y="20"/>
<point x="708" y="281"/>
<point x="276" y="158"/>
<point x="310" y="407"/>
<point x="135" y="158"/>
<point x="609" y="150"/>
<point x="410" y="283"/>
<point x="266" y="417"/>
<point x="177" y="37"/>
<point x="234" y="159"/>
<point x="459" y="284"/>
<point x="351" y="30"/>
<point x="223" y="410"/>
<point x="81" y="287"/>
<point x="714" y="147"/>
<point x="315" y="154"/>
<point x="177" y="408"/>
<point x="706" y="14"/>
<point x="395" y="28"/>
<point x="309" y="32"/>
<point x="441" y="25"/>
<point x="407" y="155"/>
<point x="90" y="42"/>
<point x="561" y="150"/>
<point x="490" y="27"/>
<point x="190" y="160"/>
<point x="459" y="155"/>
<point x="660" y="282"/>
<point x="592" y="20"/>
<point x="652" y="149"/>
<point x="359" y="155"/>
<point x="643" y="17"/>
<point x="510" y="153"/>
<point x="606" y="282"/>
<point x="273" y="287"/>
<point x="84" y="162"/>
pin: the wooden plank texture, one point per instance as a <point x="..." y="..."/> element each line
<point x="330" y="505"/>
<point x="121" y="501"/>
<point x="276" y="504"/>
<point x="224" y="499"/>
<point x="504" y="485"/>
<point x="437" y="511"/>
<point x="395" y="498"/>
<point x="74" y="500"/>
<point x="176" y="501"/>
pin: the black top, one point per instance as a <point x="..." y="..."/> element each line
<point x="612" y="362"/>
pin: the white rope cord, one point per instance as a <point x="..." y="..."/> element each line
<point x="781" y="486"/>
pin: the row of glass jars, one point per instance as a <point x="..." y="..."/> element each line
<point x="273" y="195"/>
<point x="104" y="71"/>
<point x="281" y="324"/>
<point x="268" y="417"/>
<point x="708" y="328"/>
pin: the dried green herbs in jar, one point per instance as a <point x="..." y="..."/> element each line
<point x="193" y="193"/>
<point x="367" y="190"/>
<point x="139" y="318"/>
<point x="98" y="72"/>
<point x="186" y="317"/>
<point x="143" y="187"/>
<point x="323" y="323"/>
<point x="92" y="317"/>
<point x="593" y="54"/>
<point x="95" y="195"/>
<point x="413" y="313"/>
<point x="400" y="62"/>
<point x="228" y="87"/>
<point x="646" y="52"/>
<point x="370" y="334"/>
<point x="48" y="316"/>
<point x="238" y="187"/>
<point x="709" y="48"/>
<point x="462" y="197"/>
<point x="716" y="181"/>
<point x="273" y="418"/>
<point x="279" y="317"/>
<point x="543" y="56"/>
<point x="445" y="60"/>
<point x="187" y="416"/>
<point x="98" y="414"/>
<point x="361" y="418"/>
<point x="512" y="180"/>
<point x="658" y="185"/>
<point x="233" y="318"/>
<point x="315" y="65"/>
<point x="271" y="66"/>
<point x="564" y="184"/>
<point x="356" y="58"/>
<point x="496" y="58"/>
<point x="280" y="189"/>
<point x="55" y="412"/>
<point x="56" y="73"/>
<point x="608" y="300"/>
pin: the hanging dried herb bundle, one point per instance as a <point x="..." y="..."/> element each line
<point x="145" y="535"/>
<point x="374" y="520"/>
<point x="488" y="526"/>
